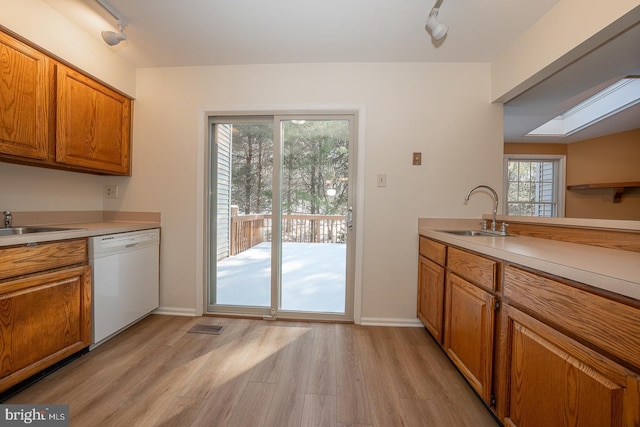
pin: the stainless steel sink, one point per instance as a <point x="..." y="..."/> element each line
<point x="30" y="230"/>
<point x="485" y="233"/>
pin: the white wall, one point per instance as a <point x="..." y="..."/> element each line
<point x="568" y="31"/>
<point x="27" y="188"/>
<point x="442" y="110"/>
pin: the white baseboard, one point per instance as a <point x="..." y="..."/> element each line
<point x="364" y="321"/>
<point x="391" y="322"/>
<point x="175" y="311"/>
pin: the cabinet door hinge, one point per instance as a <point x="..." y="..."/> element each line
<point x="493" y="400"/>
<point x="496" y="305"/>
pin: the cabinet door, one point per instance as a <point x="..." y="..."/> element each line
<point x="551" y="380"/>
<point x="431" y="297"/>
<point x="93" y="124"/>
<point x="24" y="99"/>
<point x="468" y="337"/>
<point x="43" y="319"/>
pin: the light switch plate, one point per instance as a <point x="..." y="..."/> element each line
<point x="417" y="159"/>
<point x="382" y="180"/>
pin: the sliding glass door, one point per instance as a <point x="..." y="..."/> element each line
<point x="280" y="216"/>
<point x="242" y="174"/>
<point x="314" y="207"/>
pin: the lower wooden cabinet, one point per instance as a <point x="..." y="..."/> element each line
<point x="431" y="297"/>
<point x="548" y="379"/>
<point x="456" y="303"/>
<point x="540" y="350"/>
<point x="45" y="307"/>
<point x="43" y="319"/>
<point x="469" y="332"/>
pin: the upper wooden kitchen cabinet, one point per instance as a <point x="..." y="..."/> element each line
<point x="53" y="116"/>
<point x="25" y="99"/>
<point x="93" y="124"/>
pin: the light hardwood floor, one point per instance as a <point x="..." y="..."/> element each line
<point x="261" y="373"/>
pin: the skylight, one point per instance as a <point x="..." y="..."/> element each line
<point x="622" y="94"/>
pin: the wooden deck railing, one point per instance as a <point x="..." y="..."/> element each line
<point x="250" y="230"/>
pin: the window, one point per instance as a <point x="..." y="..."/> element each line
<point x="613" y="99"/>
<point x="534" y="185"/>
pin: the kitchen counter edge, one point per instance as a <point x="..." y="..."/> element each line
<point x="612" y="270"/>
<point x="79" y="230"/>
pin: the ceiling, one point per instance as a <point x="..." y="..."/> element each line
<point x="165" y="33"/>
<point x="223" y="32"/>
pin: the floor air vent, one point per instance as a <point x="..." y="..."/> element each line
<point x="206" y="329"/>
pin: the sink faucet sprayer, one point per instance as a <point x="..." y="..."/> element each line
<point x="495" y="202"/>
<point x="7" y="219"/>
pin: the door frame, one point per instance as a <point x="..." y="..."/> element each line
<point x="203" y="231"/>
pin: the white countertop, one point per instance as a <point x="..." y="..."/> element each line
<point x="616" y="271"/>
<point x="77" y="230"/>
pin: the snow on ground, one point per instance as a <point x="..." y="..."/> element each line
<point x="313" y="277"/>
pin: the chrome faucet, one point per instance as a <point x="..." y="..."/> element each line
<point x="7" y="219"/>
<point x="495" y="202"/>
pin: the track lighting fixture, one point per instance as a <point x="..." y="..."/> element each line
<point x="437" y="29"/>
<point x="112" y="38"/>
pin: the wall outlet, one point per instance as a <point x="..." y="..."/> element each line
<point x="111" y="191"/>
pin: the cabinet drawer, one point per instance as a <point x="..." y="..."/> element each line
<point x="610" y="325"/>
<point x="433" y="250"/>
<point x="479" y="270"/>
<point x="22" y="260"/>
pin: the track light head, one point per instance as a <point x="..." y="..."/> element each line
<point x="437" y="29"/>
<point x="112" y="38"/>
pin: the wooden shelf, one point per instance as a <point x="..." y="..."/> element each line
<point x="618" y="188"/>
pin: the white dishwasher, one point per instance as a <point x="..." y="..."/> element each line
<point x="125" y="274"/>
